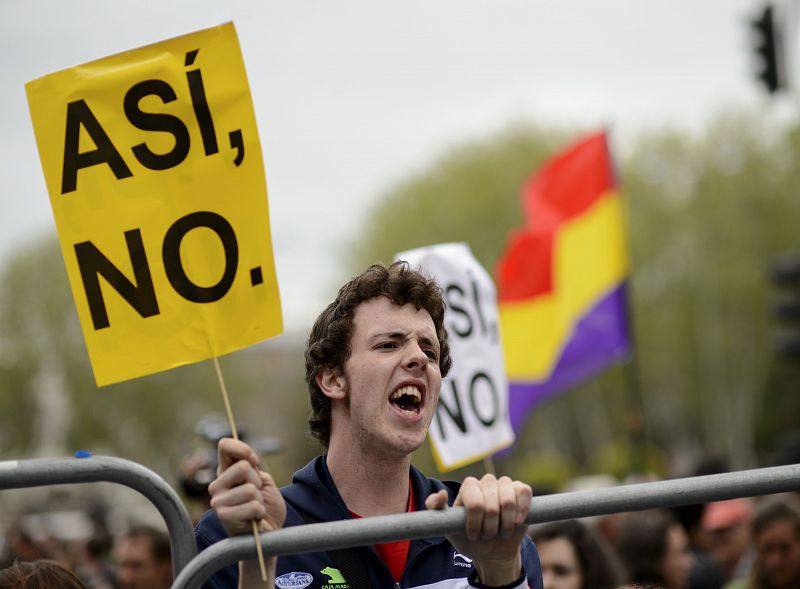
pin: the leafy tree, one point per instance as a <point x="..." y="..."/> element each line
<point x="470" y="195"/>
<point x="707" y="215"/>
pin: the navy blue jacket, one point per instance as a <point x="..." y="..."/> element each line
<point x="432" y="560"/>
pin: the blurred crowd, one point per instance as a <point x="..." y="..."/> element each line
<point x="745" y="543"/>
<point x="138" y="558"/>
<point x="734" y="544"/>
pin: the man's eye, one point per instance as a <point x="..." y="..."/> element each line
<point x="431" y="354"/>
<point x="387" y="345"/>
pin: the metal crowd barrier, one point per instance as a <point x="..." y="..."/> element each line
<point x="15" y="474"/>
<point x="426" y="524"/>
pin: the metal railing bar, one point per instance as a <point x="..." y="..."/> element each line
<point x="427" y="524"/>
<point x="16" y="474"/>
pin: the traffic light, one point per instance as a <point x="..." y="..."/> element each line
<point x="768" y="49"/>
<point x="785" y="277"/>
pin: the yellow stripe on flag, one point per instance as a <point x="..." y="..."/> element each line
<point x="589" y="260"/>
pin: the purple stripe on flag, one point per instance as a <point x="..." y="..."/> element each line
<point x="600" y="338"/>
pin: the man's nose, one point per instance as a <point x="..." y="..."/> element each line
<point x="415" y="356"/>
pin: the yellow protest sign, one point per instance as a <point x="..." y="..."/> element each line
<point x="155" y="174"/>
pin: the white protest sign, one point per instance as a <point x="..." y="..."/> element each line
<point x="471" y="419"/>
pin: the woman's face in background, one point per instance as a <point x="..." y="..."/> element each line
<point x="560" y="566"/>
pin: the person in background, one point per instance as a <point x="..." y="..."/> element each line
<point x="38" y="574"/>
<point x="198" y="465"/>
<point x="143" y="559"/>
<point x="573" y="557"/>
<point x="776" y="540"/>
<point x="726" y="526"/>
<point x="705" y="573"/>
<point x="654" y="549"/>
<point x="92" y="563"/>
<point x="19" y="545"/>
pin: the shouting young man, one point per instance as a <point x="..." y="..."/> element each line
<point x="374" y="366"/>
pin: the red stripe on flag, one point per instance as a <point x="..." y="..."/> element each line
<point x="526" y="269"/>
<point x="568" y="184"/>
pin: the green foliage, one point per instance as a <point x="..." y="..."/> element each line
<point x="32" y="278"/>
<point x="548" y="471"/>
<point x="706" y="217"/>
<point x="470" y="195"/>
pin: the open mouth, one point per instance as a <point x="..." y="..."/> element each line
<point x="407" y="398"/>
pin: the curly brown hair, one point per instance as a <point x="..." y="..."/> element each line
<point x="329" y="341"/>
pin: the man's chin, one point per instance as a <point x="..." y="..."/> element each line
<point x="403" y="443"/>
<point x="411" y="444"/>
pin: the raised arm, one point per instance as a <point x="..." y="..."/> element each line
<point x="241" y="494"/>
<point x="495" y="510"/>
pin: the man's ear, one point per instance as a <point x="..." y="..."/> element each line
<point x="331" y="382"/>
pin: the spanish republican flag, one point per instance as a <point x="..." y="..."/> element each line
<point x="561" y="281"/>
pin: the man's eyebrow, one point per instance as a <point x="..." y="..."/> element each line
<point x="401" y="335"/>
<point x="390" y="334"/>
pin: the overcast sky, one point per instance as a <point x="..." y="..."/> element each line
<point x="351" y="95"/>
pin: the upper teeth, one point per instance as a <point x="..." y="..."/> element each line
<point x="407" y="390"/>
